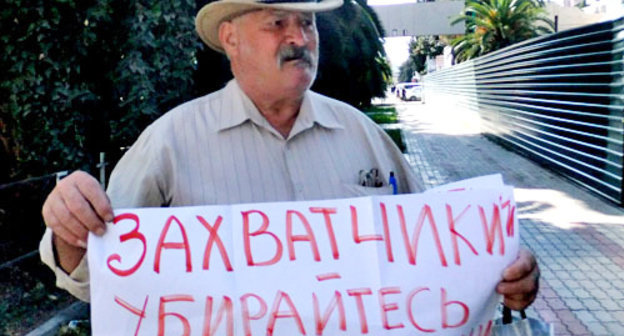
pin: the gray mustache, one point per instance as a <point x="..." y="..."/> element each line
<point x="292" y="53"/>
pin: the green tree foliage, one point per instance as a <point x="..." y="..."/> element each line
<point x="408" y="69"/>
<point x="154" y="72"/>
<point x="80" y="77"/>
<point x="46" y="94"/>
<point x="353" y="65"/>
<point x="494" y="24"/>
<point x="213" y="68"/>
<point x="420" y="49"/>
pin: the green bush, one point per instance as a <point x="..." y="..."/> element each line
<point x="397" y="137"/>
<point x="46" y="90"/>
<point x="353" y="65"/>
<point x="381" y="114"/>
<point x="81" y="77"/>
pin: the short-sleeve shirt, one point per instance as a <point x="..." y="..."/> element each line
<point x="219" y="149"/>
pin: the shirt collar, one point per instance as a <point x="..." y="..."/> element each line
<point x="238" y="108"/>
<point x="233" y="111"/>
<point x="312" y="111"/>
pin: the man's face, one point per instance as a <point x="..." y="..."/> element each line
<point x="274" y="51"/>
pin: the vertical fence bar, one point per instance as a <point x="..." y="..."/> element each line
<point x="102" y="167"/>
<point x="618" y="94"/>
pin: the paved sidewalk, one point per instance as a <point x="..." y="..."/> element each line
<point x="578" y="238"/>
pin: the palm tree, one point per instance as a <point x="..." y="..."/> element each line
<point x="421" y="48"/>
<point x="495" y="24"/>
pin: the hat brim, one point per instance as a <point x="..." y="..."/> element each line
<point x="213" y="14"/>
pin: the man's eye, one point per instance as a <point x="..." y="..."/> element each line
<point x="278" y="23"/>
<point x="307" y="23"/>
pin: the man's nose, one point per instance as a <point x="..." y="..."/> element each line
<point x="296" y="34"/>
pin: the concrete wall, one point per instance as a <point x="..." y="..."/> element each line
<point x="572" y="17"/>
<point x="426" y="18"/>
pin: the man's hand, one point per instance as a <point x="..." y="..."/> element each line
<point x="76" y="206"/>
<point x="520" y="281"/>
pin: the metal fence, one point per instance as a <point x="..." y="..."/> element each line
<point x="558" y="98"/>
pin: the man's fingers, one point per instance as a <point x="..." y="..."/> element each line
<point x="76" y="206"/>
<point x="62" y="232"/>
<point x="519" y="302"/>
<point x="96" y="196"/>
<point x="64" y="219"/>
<point x="70" y="238"/>
<point x="526" y="285"/>
<point x="523" y="265"/>
<point x="520" y="281"/>
<point x="82" y="210"/>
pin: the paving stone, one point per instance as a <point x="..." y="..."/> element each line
<point x="610" y="305"/>
<point x="581" y="275"/>
<point x="595" y="275"/>
<point x="615" y="294"/>
<point x="576" y="328"/>
<point x="603" y="284"/>
<point x="597" y="329"/>
<point x="565" y="293"/>
<point x="566" y="316"/>
<point x="574" y="304"/>
<point x="604" y="316"/>
<point x="615" y="328"/>
<point x="563" y="275"/>
<point x="572" y="284"/>
<point x="556" y="304"/>
<point x="619" y="315"/>
<point x="586" y="316"/>
<point x="603" y="260"/>
<point x="568" y="254"/>
<point x="592" y="304"/>
<point x="569" y="266"/>
<point x="597" y="293"/>
<point x="619" y="284"/>
<point x="548" y="293"/>
<point x="554" y="284"/>
<point x="582" y="294"/>
<point x="540" y="304"/>
<point x="587" y="284"/>
<point x="614" y="268"/>
<point x="548" y="315"/>
<point x="553" y="266"/>
<point x="600" y="268"/>
<point x="560" y="329"/>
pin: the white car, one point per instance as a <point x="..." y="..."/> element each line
<point x="412" y="92"/>
<point x="398" y="89"/>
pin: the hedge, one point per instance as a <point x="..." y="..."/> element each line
<point x="83" y="77"/>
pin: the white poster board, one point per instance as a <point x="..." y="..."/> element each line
<point x="390" y="265"/>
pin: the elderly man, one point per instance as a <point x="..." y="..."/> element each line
<point x="264" y="137"/>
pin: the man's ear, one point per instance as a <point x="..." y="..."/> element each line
<point x="228" y="37"/>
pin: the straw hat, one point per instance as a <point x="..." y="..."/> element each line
<point x="211" y="15"/>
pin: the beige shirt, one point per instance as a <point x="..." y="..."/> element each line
<point x="219" y="149"/>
